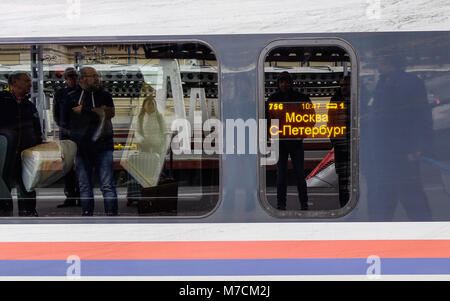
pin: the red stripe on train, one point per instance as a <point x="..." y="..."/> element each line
<point x="225" y="250"/>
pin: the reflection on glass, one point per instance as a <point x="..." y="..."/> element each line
<point x="151" y="86"/>
<point x="307" y="90"/>
<point x="20" y="125"/>
<point x="151" y="142"/>
<point x="292" y="149"/>
<point x="399" y="115"/>
<point x="341" y="145"/>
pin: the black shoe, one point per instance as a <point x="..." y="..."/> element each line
<point x="30" y="213"/>
<point x="69" y="203"/>
<point x="304" y="206"/>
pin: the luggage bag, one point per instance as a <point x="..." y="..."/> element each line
<point x="161" y="199"/>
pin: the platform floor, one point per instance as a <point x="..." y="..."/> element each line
<point x="192" y="201"/>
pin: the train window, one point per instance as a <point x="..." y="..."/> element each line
<point x="107" y="129"/>
<point x="308" y="99"/>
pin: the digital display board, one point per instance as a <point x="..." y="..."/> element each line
<point x="299" y="120"/>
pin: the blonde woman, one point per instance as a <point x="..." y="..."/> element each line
<point x="149" y="136"/>
<point x="150" y="128"/>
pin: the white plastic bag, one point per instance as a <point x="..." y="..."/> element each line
<point x="144" y="167"/>
<point x="44" y="164"/>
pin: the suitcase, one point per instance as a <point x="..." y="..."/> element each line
<point x="159" y="200"/>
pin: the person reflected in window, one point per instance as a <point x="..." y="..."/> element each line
<point x="341" y="145"/>
<point x="399" y="132"/>
<point x="71" y="188"/>
<point x="19" y="116"/>
<point x="150" y="129"/>
<point x="294" y="149"/>
<point x="91" y="111"/>
<point x="149" y="137"/>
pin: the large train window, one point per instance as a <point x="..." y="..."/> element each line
<point x="107" y="129"/>
<point x="308" y="98"/>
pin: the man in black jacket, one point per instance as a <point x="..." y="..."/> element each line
<point x="71" y="188"/>
<point x="89" y="111"/>
<point x="285" y="93"/>
<point x="19" y="115"/>
<point x="341" y="145"/>
<point x="399" y="133"/>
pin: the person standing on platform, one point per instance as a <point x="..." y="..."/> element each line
<point x="399" y="115"/>
<point x="294" y="149"/>
<point x="91" y="111"/>
<point x="19" y="117"/>
<point x="341" y="145"/>
<point x="71" y="188"/>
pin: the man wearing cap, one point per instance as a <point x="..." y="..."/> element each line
<point x="71" y="188"/>
<point x="293" y="148"/>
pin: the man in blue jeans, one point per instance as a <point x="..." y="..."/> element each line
<point x="71" y="187"/>
<point x="90" y="111"/>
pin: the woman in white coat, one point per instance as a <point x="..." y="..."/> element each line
<point x="150" y="138"/>
<point x="150" y="128"/>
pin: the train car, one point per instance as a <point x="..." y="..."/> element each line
<point x="372" y="136"/>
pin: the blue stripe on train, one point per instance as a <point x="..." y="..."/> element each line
<point x="351" y="266"/>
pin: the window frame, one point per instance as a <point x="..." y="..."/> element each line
<point x="85" y="41"/>
<point x="354" y="127"/>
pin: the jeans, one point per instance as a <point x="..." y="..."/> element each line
<point x="103" y="163"/>
<point x="295" y="150"/>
